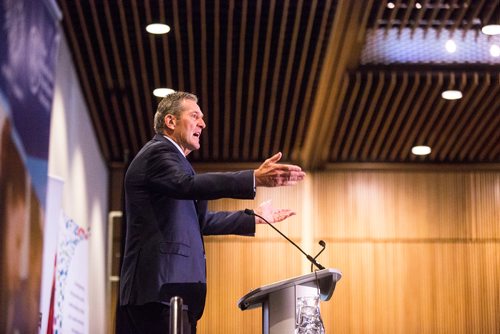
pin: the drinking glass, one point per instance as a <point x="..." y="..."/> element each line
<point x="308" y="316"/>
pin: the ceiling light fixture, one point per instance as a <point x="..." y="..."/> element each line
<point x="157" y="28"/>
<point x="491" y="29"/>
<point x="451" y="46"/>
<point x="451" y="94"/>
<point x="418" y="5"/>
<point x="162" y="92"/>
<point x="390" y="5"/>
<point x="495" y="50"/>
<point x="421" y="150"/>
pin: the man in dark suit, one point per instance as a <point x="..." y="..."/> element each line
<point x="167" y="216"/>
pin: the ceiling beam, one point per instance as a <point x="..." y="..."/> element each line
<point x="349" y="27"/>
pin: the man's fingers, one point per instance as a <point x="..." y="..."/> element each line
<point x="284" y="179"/>
<point x="292" y="176"/>
<point x="287" y="213"/>
<point x="288" y="173"/>
<point x="275" y="158"/>
<point x="283" y="214"/>
<point x="287" y="167"/>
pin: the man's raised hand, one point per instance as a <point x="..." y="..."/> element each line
<point x="273" y="174"/>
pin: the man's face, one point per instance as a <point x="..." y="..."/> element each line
<point x="188" y="127"/>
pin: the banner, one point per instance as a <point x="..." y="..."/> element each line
<point x="29" y="40"/>
<point x="69" y="306"/>
<point x="53" y="218"/>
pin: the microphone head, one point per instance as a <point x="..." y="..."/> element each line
<point x="322" y="243"/>
<point x="249" y="212"/>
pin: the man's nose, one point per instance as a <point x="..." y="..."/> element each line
<point x="202" y="124"/>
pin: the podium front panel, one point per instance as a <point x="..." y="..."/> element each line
<point x="279" y="311"/>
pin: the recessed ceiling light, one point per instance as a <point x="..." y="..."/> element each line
<point x="495" y="50"/>
<point x="418" y="5"/>
<point x="157" y="28"/>
<point x="390" y="5"/>
<point x="421" y="150"/>
<point x="491" y="29"/>
<point x="162" y="92"/>
<point x="451" y="94"/>
<point x="451" y="46"/>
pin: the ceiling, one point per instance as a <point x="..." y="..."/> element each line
<point x="325" y="82"/>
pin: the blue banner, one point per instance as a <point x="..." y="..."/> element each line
<point x="29" y="41"/>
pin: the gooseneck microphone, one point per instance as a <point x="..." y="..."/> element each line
<point x="309" y="257"/>
<point x="323" y="245"/>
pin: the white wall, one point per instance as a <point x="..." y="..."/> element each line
<point x="74" y="157"/>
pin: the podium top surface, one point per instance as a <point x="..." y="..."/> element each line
<point x="325" y="280"/>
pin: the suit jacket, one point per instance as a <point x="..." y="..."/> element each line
<point x="166" y="218"/>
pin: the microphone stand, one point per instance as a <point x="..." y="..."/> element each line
<point x="322" y="244"/>
<point x="309" y="257"/>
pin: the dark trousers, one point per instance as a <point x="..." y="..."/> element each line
<point x="150" y="318"/>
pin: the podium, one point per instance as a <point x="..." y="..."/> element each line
<point x="278" y="300"/>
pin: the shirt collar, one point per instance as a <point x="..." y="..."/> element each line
<point x="175" y="144"/>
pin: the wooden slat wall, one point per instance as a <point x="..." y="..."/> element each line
<point x="419" y="251"/>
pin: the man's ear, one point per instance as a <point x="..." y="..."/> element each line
<point x="170" y="121"/>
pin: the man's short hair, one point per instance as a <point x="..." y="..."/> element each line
<point x="170" y="104"/>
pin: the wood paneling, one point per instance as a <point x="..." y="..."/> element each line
<point x="401" y="205"/>
<point x="419" y="251"/>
